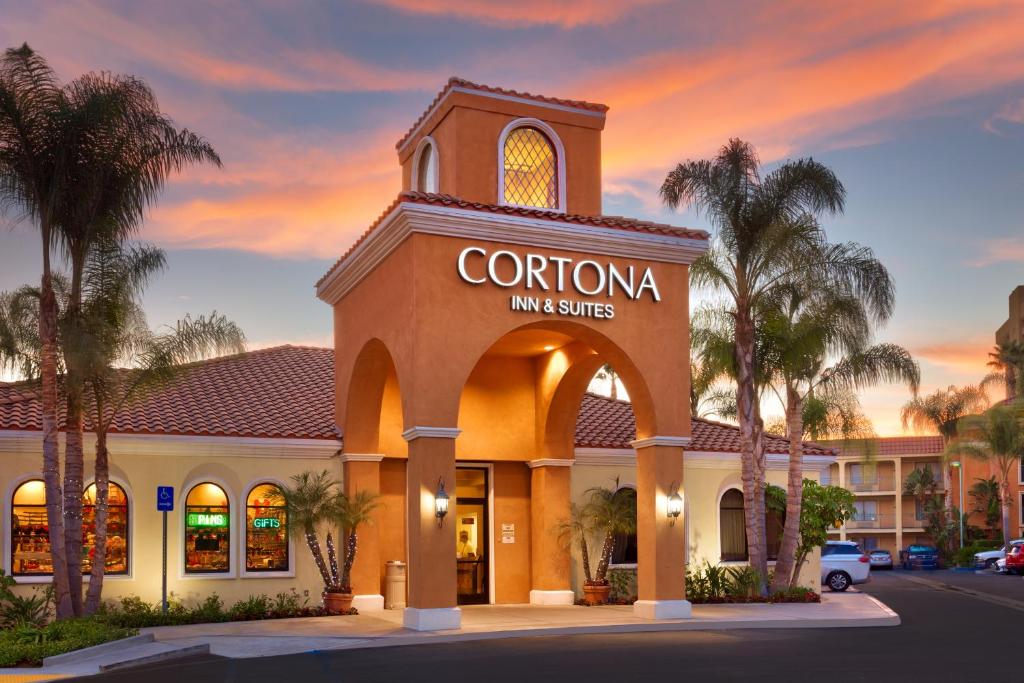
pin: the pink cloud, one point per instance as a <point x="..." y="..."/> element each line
<point x="1004" y="250"/>
<point x="565" y="13"/>
<point x="1011" y="112"/>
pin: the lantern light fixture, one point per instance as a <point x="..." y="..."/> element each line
<point x="674" y="505"/>
<point x="440" y="503"/>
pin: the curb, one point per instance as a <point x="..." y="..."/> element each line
<point x="179" y="653"/>
<point x="90" y="652"/>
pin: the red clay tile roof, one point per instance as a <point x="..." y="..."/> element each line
<point x="288" y="392"/>
<point x="897" y="445"/>
<point x="456" y="82"/>
<point x="284" y="392"/>
<point x="607" y="423"/>
<point x="446" y="200"/>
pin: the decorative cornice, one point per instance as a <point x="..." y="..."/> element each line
<point x="431" y="433"/>
<point x="549" y="462"/>
<point x="678" y="441"/>
<point x="410" y="217"/>
<point x="361" y="457"/>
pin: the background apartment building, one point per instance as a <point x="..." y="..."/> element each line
<point x="1013" y="331"/>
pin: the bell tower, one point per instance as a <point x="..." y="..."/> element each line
<point x="495" y="146"/>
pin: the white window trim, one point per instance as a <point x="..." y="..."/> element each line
<point x="243" y="528"/>
<point x="232" y="572"/>
<point x="559" y="161"/>
<point x="424" y="143"/>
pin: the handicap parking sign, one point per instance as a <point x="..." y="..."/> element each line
<point x="164" y="498"/>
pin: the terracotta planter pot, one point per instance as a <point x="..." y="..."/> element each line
<point x="337" y="603"/>
<point x="596" y="594"/>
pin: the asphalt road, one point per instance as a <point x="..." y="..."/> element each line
<point x="946" y="635"/>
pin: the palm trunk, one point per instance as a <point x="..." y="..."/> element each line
<point x="318" y="556"/>
<point x="1004" y="504"/>
<point x="586" y="559"/>
<point x="51" y="451"/>
<point x="606" y="555"/>
<point x="350" y="559"/>
<point x="99" y="556"/>
<point x="332" y="559"/>
<point x="798" y="564"/>
<point x="784" y="565"/>
<point x="74" y="472"/>
<point x="751" y="448"/>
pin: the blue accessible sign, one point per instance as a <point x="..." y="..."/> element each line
<point x="164" y="498"/>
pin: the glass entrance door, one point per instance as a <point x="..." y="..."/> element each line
<point x="472" y="535"/>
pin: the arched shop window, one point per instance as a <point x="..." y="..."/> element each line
<point x="30" y="532"/>
<point x="266" y="530"/>
<point x="732" y="526"/>
<point x="625" y="544"/>
<point x="117" y="529"/>
<point x="530" y="169"/>
<point x="207" y="530"/>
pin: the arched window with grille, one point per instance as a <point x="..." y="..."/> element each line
<point x="531" y="168"/>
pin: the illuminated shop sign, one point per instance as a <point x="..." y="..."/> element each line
<point x="557" y="274"/>
<point x="266" y="523"/>
<point x="206" y="519"/>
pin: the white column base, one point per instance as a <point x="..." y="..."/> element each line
<point x="552" y="597"/>
<point x="436" y="619"/>
<point x="662" y="609"/>
<point x="368" y="603"/>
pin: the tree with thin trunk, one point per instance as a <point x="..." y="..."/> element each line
<point x="611" y="513"/>
<point x="996" y="437"/>
<point x="802" y="330"/>
<point x="607" y="372"/>
<point x="942" y="411"/>
<point x="35" y="184"/>
<point x="767" y="236"/>
<point x="1007" y="359"/>
<point x="988" y="502"/>
<point x="309" y="502"/>
<point x="351" y="512"/>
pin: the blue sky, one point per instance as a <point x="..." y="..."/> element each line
<point x="919" y="107"/>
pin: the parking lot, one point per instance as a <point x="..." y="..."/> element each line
<point x="999" y="585"/>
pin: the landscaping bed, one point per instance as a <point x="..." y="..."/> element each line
<point x="29" y="645"/>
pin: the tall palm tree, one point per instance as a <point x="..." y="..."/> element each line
<point x="942" y="411"/>
<point x="997" y="437"/>
<point x="707" y="396"/>
<point x="350" y="512"/>
<point x="1007" y="358"/>
<point x="767" y="236"/>
<point x="309" y="503"/>
<point x="803" y="328"/>
<point x="988" y="501"/>
<point x="35" y="185"/>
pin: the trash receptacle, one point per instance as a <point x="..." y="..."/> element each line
<point x="394" y="576"/>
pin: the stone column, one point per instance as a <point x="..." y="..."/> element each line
<point x="431" y="573"/>
<point x="550" y="499"/>
<point x="361" y="472"/>
<point x="661" y="541"/>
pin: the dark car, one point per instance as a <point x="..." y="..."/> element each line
<point x="920" y="557"/>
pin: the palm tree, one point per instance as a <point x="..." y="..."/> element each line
<point x="767" y="237"/>
<point x="1007" y="358"/>
<point x="922" y="485"/>
<point x="803" y="328"/>
<point x="309" y="503"/>
<point x="350" y="511"/>
<point x="576" y="529"/>
<point x="35" y="184"/>
<point x="942" y="411"/>
<point x="607" y="372"/>
<point x="987" y="501"/>
<point x="610" y="513"/>
<point x="707" y="397"/>
<point x="997" y="437"/>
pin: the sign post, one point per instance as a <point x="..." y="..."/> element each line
<point x="164" y="504"/>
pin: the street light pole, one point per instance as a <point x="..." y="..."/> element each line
<point x="960" y="473"/>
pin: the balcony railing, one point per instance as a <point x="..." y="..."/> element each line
<point x="880" y="483"/>
<point x="869" y="521"/>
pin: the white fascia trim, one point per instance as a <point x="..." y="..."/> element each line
<point x="431" y="433"/>
<point x="626" y="457"/>
<point x="411" y="217"/>
<point x="185" y="445"/>
<point x="497" y="96"/>
<point x="678" y="441"/>
<point x="361" y="457"/>
<point x="549" y="462"/>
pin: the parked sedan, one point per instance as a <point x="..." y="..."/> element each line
<point x="880" y="559"/>
<point x="843" y="564"/>
<point x="987" y="559"/>
<point x="920" y="557"/>
<point x="1015" y="560"/>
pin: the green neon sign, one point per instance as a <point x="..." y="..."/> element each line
<point x="206" y="519"/>
<point x="266" y="523"/>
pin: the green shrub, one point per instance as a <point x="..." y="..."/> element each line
<point x="623" y="582"/>
<point x="28" y="645"/>
<point x="253" y="607"/>
<point x="133" y="612"/>
<point x="717" y="584"/>
<point x="17" y="610"/>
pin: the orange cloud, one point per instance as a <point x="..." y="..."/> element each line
<point x="965" y="357"/>
<point x="565" y="13"/>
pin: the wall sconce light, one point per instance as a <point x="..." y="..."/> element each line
<point x="440" y="503"/>
<point x="674" y="505"/>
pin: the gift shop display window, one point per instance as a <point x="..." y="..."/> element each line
<point x="207" y="530"/>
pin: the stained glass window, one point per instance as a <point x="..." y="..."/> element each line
<point x="531" y="169"/>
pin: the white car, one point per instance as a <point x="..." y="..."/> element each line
<point x="1000" y="565"/>
<point x="843" y="564"/>
<point x="989" y="558"/>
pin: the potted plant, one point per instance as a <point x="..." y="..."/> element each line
<point x="606" y="513"/>
<point x="349" y="511"/>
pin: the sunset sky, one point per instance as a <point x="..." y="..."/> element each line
<point x="919" y="108"/>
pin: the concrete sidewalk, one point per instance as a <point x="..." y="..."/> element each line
<point x="481" y="622"/>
